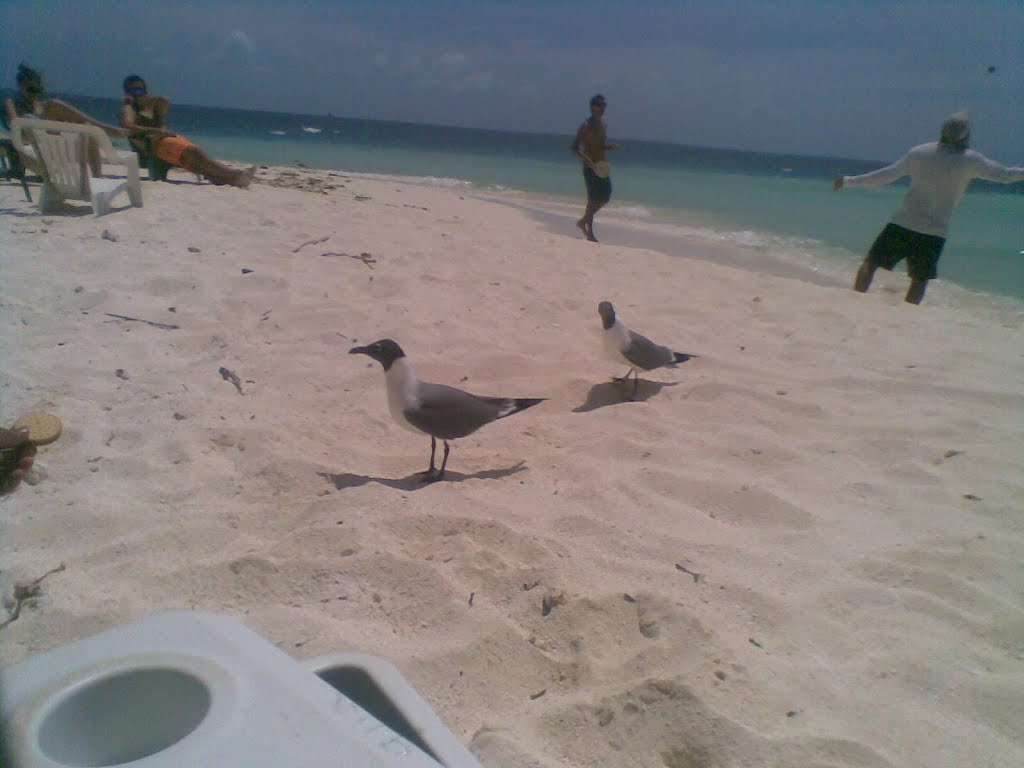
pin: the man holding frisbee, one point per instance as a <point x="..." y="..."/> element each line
<point x="590" y="144"/>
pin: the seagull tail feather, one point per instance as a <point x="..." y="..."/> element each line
<point x="513" y="405"/>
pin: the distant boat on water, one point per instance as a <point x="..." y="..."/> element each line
<point x="310" y="129"/>
<point x="278" y="133"/>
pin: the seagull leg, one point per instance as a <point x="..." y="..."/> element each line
<point x="429" y="474"/>
<point x="432" y="474"/>
<point x="625" y="380"/>
<point x="620" y="380"/>
<point x="444" y="461"/>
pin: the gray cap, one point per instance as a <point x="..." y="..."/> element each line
<point x="956" y="129"/>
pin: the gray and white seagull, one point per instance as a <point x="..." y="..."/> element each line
<point x="630" y="348"/>
<point x="443" y="412"/>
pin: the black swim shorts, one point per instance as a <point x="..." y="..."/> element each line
<point x="895" y="243"/>
<point x="598" y="189"/>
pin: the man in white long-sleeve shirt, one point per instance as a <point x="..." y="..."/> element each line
<point x="939" y="174"/>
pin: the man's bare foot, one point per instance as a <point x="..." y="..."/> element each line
<point x="247" y="176"/>
<point x="582" y="224"/>
<point x="590" y="234"/>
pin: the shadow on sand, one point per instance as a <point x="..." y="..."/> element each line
<point x="616" y="393"/>
<point x="414" y="482"/>
<point x="60" y="209"/>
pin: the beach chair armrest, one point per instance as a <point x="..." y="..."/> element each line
<point x="378" y="687"/>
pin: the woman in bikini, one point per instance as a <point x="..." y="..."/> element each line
<point x="29" y="103"/>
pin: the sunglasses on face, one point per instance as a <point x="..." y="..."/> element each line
<point x="600" y="105"/>
<point x="136" y="90"/>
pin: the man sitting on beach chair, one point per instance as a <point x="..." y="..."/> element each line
<point x="143" y="116"/>
<point x="146" y="112"/>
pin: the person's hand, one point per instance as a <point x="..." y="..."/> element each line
<point x="837" y="182"/>
<point x="13" y="480"/>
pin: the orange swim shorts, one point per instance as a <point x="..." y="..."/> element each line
<point x="170" y="148"/>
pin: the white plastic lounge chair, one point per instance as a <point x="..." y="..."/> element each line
<point x="63" y="157"/>
<point x="187" y="688"/>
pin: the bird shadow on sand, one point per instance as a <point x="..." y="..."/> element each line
<point x="616" y="393"/>
<point x="414" y="482"/>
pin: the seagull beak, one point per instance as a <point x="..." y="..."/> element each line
<point x="359" y="351"/>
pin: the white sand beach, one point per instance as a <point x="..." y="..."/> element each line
<point x="803" y="548"/>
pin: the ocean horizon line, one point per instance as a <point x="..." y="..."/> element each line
<point x="654" y="143"/>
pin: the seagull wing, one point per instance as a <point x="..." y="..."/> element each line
<point x="644" y="354"/>
<point x="449" y="413"/>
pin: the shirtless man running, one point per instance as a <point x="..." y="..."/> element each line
<point x="590" y="144"/>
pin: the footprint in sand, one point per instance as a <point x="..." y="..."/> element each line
<point x="743" y="505"/>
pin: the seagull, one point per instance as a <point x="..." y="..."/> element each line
<point x="435" y="409"/>
<point x="629" y="347"/>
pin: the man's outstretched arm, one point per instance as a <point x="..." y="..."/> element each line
<point x="990" y="170"/>
<point x="886" y="175"/>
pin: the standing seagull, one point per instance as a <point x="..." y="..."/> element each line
<point x="438" y="410"/>
<point x="638" y="352"/>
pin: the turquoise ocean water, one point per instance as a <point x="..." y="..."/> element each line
<point x="782" y="205"/>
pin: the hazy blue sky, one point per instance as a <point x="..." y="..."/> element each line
<point x="862" y="79"/>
